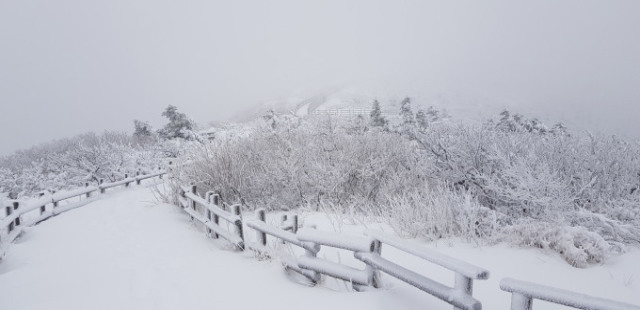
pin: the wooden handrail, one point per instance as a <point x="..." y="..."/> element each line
<point x="189" y="200"/>
<point x="11" y="224"/>
<point x="523" y="293"/>
<point x="451" y="263"/>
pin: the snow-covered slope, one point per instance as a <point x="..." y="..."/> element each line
<point x="129" y="252"/>
<point x="462" y="105"/>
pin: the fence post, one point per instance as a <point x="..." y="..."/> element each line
<point x="294" y="224"/>
<point x="520" y="301"/>
<point x="138" y="180"/>
<point x="183" y="194"/>
<point x="314" y="276"/>
<point x="235" y="209"/>
<point x="55" y="202"/>
<point x="261" y="237"/>
<point x="16" y="205"/>
<point x="464" y="285"/>
<point x="86" y="184"/>
<point x="102" y="189"/>
<point x="215" y="200"/>
<point x="194" y="190"/>
<point x="8" y="210"/>
<point x="375" y="274"/>
<point x="283" y="221"/>
<point x="126" y="176"/>
<point x="160" y="168"/>
<point x="43" y="208"/>
<point x="208" y="196"/>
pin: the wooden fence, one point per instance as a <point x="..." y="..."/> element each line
<point x="209" y="210"/>
<point x="15" y="211"/>
<point x="226" y="221"/>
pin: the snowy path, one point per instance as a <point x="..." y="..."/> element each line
<point x="128" y="252"/>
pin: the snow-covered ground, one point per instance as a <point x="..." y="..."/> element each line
<point x="129" y="252"/>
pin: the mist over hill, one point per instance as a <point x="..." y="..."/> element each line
<point x="69" y="67"/>
<point x="466" y="106"/>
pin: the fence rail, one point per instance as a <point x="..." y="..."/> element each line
<point x="209" y="210"/>
<point x="367" y="249"/>
<point x="49" y="205"/>
<point x="523" y="293"/>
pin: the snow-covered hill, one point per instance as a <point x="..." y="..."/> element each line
<point x="464" y="103"/>
<point x="466" y="106"/>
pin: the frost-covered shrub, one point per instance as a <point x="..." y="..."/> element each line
<point x="305" y="163"/>
<point x="578" y="183"/>
<point x="72" y="162"/>
<point x="440" y="213"/>
<point x="577" y="245"/>
<point x="515" y="180"/>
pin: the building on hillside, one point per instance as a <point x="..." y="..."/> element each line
<point x="347" y="112"/>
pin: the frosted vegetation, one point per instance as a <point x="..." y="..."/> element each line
<point x="73" y="162"/>
<point x="91" y="157"/>
<point x="510" y="179"/>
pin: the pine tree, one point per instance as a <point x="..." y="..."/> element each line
<point x="405" y="111"/>
<point x="421" y="120"/>
<point x="141" y="129"/>
<point x="408" y="119"/>
<point x="142" y="132"/>
<point x="377" y="120"/>
<point x="179" y="125"/>
<point x="434" y="115"/>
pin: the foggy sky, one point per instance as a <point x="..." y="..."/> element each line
<point x="71" y="66"/>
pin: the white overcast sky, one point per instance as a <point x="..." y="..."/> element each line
<point x="71" y="66"/>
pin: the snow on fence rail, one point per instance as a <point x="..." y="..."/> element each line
<point x="461" y="295"/>
<point x="213" y="212"/>
<point x="367" y="249"/>
<point x="360" y="279"/>
<point x="15" y="212"/>
<point x="285" y="233"/>
<point x="523" y="293"/>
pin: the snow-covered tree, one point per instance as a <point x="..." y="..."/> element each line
<point x="517" y="122"/>
<point x="406" y="112"/>
<point x="434" y="115"/>
<point x="142" y="131"/>
<point x="421" y="120"/>
<point x="71" y="162"/>
<point x="179" y="126"/>
<point x="271" y="118"/>
<point x="376" y="117"/>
